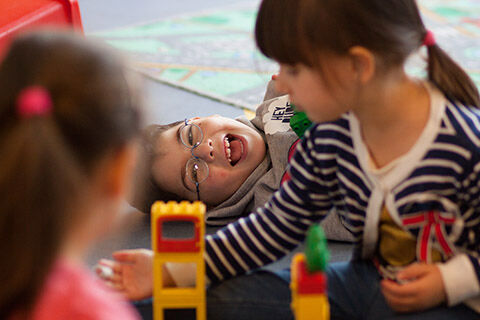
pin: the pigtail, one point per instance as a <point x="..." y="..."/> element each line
<point x="37" y="182"/>
<point x="450" y="78"/>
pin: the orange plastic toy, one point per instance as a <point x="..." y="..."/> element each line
<point x="178" y="251"/>
<point x="21" y="15"/>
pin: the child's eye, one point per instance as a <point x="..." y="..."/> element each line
<point x="194" y="173"/>
<point x="190" y="135"/>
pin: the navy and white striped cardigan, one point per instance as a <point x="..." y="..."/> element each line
<point x="432" y="192"/>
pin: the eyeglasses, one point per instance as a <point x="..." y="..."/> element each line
<point x="196" y="169"/>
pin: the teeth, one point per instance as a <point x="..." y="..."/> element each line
<point x="227" y="148"/>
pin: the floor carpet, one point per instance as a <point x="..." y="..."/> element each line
<point x="213" y="53"/>
<point x="210" y="53"/>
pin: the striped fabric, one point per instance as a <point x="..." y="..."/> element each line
<point x="439" y="177"/>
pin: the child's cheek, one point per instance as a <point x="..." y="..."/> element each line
<point x="218" y="176"/>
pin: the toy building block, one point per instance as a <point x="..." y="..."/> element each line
<point x="316" y="250"/>
<point x="309" y="282"/>
<point x="309" y="296"/>
<point x="173" y="250"/>
<point x="299" y="122"/>
<point x="22" y="15"/>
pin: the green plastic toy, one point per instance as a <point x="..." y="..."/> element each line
<point x="316" y="250"/>
<point x="299" y="122"/>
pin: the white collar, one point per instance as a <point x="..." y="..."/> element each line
<point x="400" y="168"/>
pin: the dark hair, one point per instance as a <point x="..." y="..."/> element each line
<point x="295" y="31"/>
<point x="145" y="190"/>
<point x="47" y="159"/>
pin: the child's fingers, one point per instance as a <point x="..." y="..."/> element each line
<point x="414" y="271"/>
<point x="389" y="287"/>
<point x="399" y="290"/>
<point x="124" y="292"/>
<point x="109" y="271"/>
<point x="116" y="267"/>
<point x="116" y="278"/>
<point x="126" y="256"/>
<point x="103" y="272"/>
<point x="397" y="298"/>
<point x="106" y="262"/>
<point x="114" y="281"/>
<point x="117" y="286"/>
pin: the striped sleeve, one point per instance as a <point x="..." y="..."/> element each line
<point x="274" y="229"/>
<point x="461" y="274"/>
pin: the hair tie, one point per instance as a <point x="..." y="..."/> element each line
<point x="429" y="39"/>
<point x="33" y="101"/>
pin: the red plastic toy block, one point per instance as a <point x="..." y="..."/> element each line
<point x="178" y="245"/>
<point x="20" y="15"/>
<point x="310" y="283"/>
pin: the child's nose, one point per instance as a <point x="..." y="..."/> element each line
<point x="280" y="85"/>
<point x="205" y="150"/>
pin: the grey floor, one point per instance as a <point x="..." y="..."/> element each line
<point x="164" y="104"/>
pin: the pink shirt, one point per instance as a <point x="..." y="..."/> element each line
<point x="72" y="292"/>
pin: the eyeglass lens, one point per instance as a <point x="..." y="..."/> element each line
<point x="191" y="135"/>
<point x="197" y="171"/>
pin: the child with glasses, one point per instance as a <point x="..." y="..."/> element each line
<point x="232" y="165"/>
<point x="227" y="152"/>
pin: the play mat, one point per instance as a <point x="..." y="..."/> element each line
<point x="213" y="53"/>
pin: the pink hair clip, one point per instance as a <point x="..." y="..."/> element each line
<point x="33" y="101"/>
<point x="429" y="39"/>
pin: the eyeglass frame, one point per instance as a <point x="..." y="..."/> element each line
<point x="194" y="157"/>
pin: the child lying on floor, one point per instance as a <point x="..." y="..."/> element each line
<point x="237" y="163"/>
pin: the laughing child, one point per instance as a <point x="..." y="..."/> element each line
<point x="238" y="163"/>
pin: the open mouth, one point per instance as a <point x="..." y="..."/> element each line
<point x="234" y="149"/>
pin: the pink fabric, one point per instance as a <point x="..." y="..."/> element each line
<point x="72" y="292"/>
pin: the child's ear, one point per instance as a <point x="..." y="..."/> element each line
<point x="120" y="169"/>
<point x="363" y="63"/>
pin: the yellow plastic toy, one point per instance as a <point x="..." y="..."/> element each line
<point x="309" y="301"/>
<point x="309" y="282"/>
<point x="173" y="250"/>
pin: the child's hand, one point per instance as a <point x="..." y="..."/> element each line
<point x="424" y="288"/>
<point x="132" y="273"/>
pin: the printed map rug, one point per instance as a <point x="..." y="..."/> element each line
<point x="213" y="53"/>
